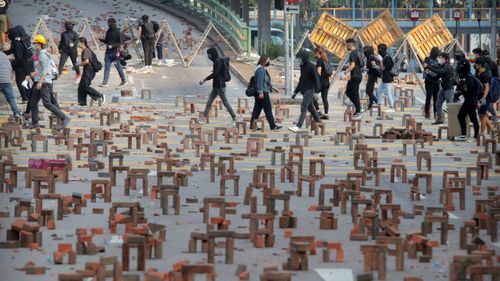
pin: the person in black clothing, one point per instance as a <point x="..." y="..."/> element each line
<point x="147" y="36"/>
<point x="468" y="88"/>
<point x="324" y="79"/>
<point x="485" y="55"/>
<point x="262" y="100"/>
<point x="444" y="72"/>
<point x="431" y="83"/>
<point x="386" y="65"/>
<point x="218" y="86"/>
<point x="68" y="48"/>
<point x="113" y="40"/>
<point x="354" y="69"/>
<point x="484" y="75"/>
<point x="308" y="83"/>
<point x="22" y="64"/>
<point x="84" y="88"/>
<point x="374" y="71"/>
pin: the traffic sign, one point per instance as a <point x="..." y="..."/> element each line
<point x="457" y="15"/>
<point x="414" y="15"/>
<point x="292" y="9"/>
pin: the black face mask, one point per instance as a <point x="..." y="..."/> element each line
<point x="267" y="64"/>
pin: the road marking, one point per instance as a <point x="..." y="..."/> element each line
<point x="335" y="274"/>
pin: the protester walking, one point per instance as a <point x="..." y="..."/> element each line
<point x="324" y="71"/>
<point x="264" y="87"/>
<point x="219" y="78"/>
<point x="43" y="84"/>
<point x="386" y="65"/>
<point x="446" y="74"/>
<point x="308" y="84"/>
<point x="20" y="47"/>
<point x="354" y="70"/>
<point x="146" y="34"/>
<point x="431" y="83"/>
<point x="113" y="40"/>
<point x="6" y="84"/>
<point x="469" y="87"/>
<point x="486" y="104"/>
<point x="68" y="48"/>
<point x="89" y="71"/>
<point x="374" y="72"/>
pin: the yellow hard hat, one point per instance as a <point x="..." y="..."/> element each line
<point x="40" y="39"/>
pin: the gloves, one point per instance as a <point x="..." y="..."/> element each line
<point x="202" y="81"/>
<point x="294" y="95"/>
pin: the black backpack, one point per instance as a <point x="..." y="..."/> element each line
<point x="327" y="68"/>
<point x="27" y="52"/>
<point x="251" y="90"/>
<point x="226" y="75"/>
<point x="148" y="31"/>
<point x="96" y="64"/>
<point x="362" y="58"/>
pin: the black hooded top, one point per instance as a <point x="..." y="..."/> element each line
<point x="22" y="61"/>
<point x="432" y="60"/>
<point x="308" y="77"/>
<point x="69" y="36"/>
<point x="467" y="85"/>
<point x="217" y="73"/>
<point x="113" y="37"/>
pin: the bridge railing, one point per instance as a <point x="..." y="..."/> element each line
<point x="224" y="19"/>
<point x="401" y="14"/>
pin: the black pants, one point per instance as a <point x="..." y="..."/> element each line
<point x="468" y="109"/>
<point x="148" y="47"/>
<point x="265" y="104"/>
<point x="352" y="92"/>
<point x="324" y="98"/>
<point x="48" y="100"/>
<point x="431" y="92"/>
<point x="64" y="58"/>
<point x="84" y="87"/>
<point x="370" y="86"/>
<point x="25" y="94"/>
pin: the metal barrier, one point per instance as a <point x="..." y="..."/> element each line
<point x="223" y="18"/>
<point x="402" y="14"/>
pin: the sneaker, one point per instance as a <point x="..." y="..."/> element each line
<point x="369" y="107"/>
<point x="123" y="83"/>
<point x="82" y="105"/>
<point x="77" y="79"/>
<point x="101" y="101"/>
<point x="232" y="124"/>
<point x="437" y="123"/>
<point x="361" y="110"/>
<point x="389" y="110"/>
<point x="324" y="117"/>
<point x="160" y="62"/>
<point x="357" y="116"/>
<point x="103" y="84"/>
<point x="294" y="129"/>
<point x="17" y="115"/>
<point x="200" y="121"/>
<point x="461" y="138"/>
<point x="277" y="128"/>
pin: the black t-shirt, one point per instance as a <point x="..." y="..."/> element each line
<point x="372" y="66"/>
<point x="324" y="79"/>
<point x="386" y="75"/>
<point x="356" y="72"/>
<point x="484" y="77"/>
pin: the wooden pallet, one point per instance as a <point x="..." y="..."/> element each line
<point x="383" y="29"/>
<point x="431" y="33"/>
<point x="331" y="33"/>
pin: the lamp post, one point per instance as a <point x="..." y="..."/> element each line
<point x="478" y="18"/>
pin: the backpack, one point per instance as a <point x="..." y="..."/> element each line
<point x="362" y="58"/>
<point x="226" y="75"/>
<point x="394" y="71"/>
<point x="494" y="93"/>
<point x="327" y="69"/>
<point x="95" y="63"/>
<point x="251" y="88"/>
<point x="27" y="52"/>
<point x="148" y="31"/>
<point x="317" y="87"/>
